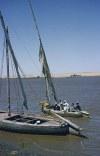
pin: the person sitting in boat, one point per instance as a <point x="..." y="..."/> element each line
<point x="78" y="107"/>
<point x="60" y="104"/>
<point x="72" y="107"/>
<point x="56" y="107"/>
<point x="66" y="106"/>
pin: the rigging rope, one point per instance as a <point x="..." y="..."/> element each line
<point x="18" y="38"/>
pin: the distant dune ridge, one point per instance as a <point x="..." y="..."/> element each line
<point x="61" y="75"/>
<point x="77" y="74"/>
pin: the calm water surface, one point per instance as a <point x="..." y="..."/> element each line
<point x="85" y="90"/>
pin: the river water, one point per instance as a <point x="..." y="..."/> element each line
<point x="85" y="90"/>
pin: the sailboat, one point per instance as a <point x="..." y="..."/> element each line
<point x="48" y="105"/>
<point x="21" y="122"/>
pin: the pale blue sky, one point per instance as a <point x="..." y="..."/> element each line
<point x="70" y="31"/>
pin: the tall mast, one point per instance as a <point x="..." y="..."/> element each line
<point x="34" y="20"/>
<point x="14" y="59"/>
<point x="43" y="60"/>
<point x="8" y="80"/>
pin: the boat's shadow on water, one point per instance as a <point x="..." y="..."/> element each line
<point x="17" y="144"/>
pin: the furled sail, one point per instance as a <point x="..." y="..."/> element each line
<point x="50" y="90"/>
<point x="14" y="59"/>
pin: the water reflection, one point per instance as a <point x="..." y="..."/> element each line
<point x="17" y="144"/>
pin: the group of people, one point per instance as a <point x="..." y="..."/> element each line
<point x="67" y="107"/>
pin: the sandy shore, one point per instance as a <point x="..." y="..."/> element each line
<point x="77" y="74"/>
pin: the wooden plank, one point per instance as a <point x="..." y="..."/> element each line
<point x="71" y="124"/>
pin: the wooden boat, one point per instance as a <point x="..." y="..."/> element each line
<point x="46" y="109"/>
<point x="19" y="122"/>
<point x="23" y="123"/>
<point x="32" y="125"/>
<point x="51" y="96"/>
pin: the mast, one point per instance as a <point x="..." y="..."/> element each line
<point x="14" y="59"/>
<point x="43" y="61"/>
<point x="8" y="80"/>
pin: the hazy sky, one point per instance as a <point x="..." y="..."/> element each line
<point x="70" y="31"/>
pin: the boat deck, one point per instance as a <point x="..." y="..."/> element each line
<point x="4" y="115"/>
<point x="32" y="119"/>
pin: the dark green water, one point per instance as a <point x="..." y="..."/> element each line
<point x="81" y="89"/>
